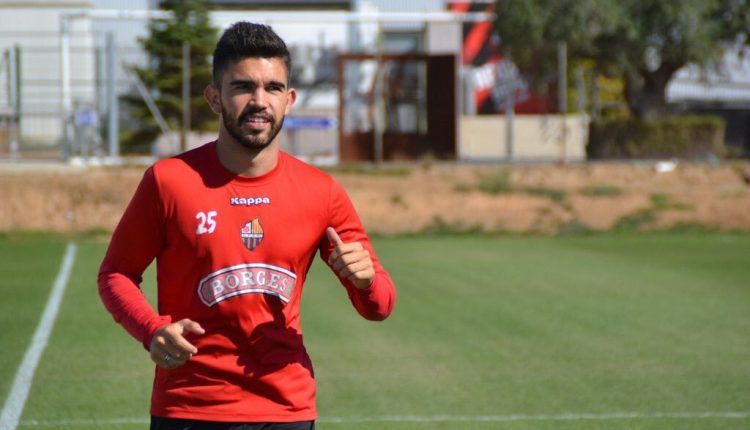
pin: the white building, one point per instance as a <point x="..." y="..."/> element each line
<point x="30" y="38"/>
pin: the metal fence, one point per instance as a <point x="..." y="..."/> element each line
<point x="36" y="123"/>
<point x="60" y="90"/>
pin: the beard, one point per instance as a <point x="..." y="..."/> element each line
<point x="254" y="140"/>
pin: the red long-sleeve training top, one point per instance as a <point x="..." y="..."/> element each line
<point x="232" y="254"/>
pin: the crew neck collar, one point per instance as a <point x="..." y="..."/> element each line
<point x="245" y="180"/>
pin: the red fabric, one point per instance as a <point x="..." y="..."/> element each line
<point x="251" y="364"/>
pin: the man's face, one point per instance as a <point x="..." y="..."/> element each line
<point x="253" y="100"/>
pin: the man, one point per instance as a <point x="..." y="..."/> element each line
<point x="234" y="226"/>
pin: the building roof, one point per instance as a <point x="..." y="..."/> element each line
<point x="282" y="4"/>
<point x="26" y="4"/>
<point x="727" y="84"/>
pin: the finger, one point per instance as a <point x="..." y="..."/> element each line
<point x="350" y="258"/>
<point x="342" y="250"/>
<point x="176" y="338"/>
<point x="177" y="362"/>
<point x="349" y="247"/>
<point x="192" y="326"/>
<point x="168" y="361"/>
<point x="355" y="268"/>
<point x="181" y="346"/>
<point x="334" y="237"/>
<point x="174" y="350"/>
<point x="159" y="356"/>
<point x="362" y="278"/>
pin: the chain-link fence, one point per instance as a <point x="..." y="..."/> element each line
<point x="61" y="94"/>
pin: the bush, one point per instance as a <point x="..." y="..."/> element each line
<point x="496" y="182"/>
<point x="687" y="137"/>
<point x="601" y="190"/>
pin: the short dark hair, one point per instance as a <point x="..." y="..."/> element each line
<point x="247" y="40"/>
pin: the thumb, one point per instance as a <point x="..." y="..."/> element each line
<point x="334" y="237"/>
<point x="192" y="326"/>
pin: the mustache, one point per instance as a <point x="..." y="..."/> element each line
<point x="255" y="112"/>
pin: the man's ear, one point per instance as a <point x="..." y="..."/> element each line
<point x="213" y="97"/>
<point x="292" y="94"/>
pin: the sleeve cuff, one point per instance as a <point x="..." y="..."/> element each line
<point x="153" y="326"/>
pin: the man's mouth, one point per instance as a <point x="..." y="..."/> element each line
<point x="256" y="121"/>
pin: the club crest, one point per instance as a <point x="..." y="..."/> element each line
<point x="252" y="234"/>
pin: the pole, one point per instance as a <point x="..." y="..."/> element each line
<point x="18" y="105"/>
<point x="379" y="117"/>
<point x="151" y="105"/>
<point x="66" y="102"/>
<point x="185" y="95"/>
<point x="113" y="123"/>
<point x="8" y="61"/>
<point x="99" y="94"/>
<point x="510" y="86"/>
<point x="562" y="96"/>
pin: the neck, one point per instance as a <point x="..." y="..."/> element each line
<point x="244" y="161"/>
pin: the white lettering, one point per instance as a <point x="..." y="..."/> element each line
<point x="274" y="280"/>
<point x="232" y="281"/>
<point x="249" y="201"/>
<point x="207" y="222"/>
<point x="260" y="277"/>
<point x="217" y="287"/>
<point x="247" y="279"/>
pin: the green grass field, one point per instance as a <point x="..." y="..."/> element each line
<point x="589" y="332"/>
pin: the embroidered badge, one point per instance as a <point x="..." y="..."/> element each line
<point x="252" y="234"/>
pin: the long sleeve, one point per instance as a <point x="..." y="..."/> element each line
<point x="376" y="302"/>
<point x="134" y="245"/>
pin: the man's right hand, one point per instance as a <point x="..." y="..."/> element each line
<point x="169" y="348"/>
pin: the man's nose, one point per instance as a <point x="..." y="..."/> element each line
<point x="258" y="98"/>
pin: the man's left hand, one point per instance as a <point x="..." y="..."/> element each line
<point x="350" y="260"/>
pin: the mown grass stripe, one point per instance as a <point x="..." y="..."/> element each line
<point x="16" y="400"/>
<point x="437" y="418"/>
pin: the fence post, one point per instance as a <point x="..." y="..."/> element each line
<point x="18" y="104"/>
<point x="185" y="95"/>
<point x="562" y="96"/>
<point x="66" y="103"/>
<point x="510" y="77"/>
<point x="8" y="63"/>
<point x="379" y="125"/>
<point x="113" y="124"/>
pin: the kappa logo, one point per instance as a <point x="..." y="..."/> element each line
<point x="247" y="278"/>
<point x="249" y="201"/>
<point x="252" y="234"/>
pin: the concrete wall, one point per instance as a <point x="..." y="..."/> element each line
<point x="536" y="138"/>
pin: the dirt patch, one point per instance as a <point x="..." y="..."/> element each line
<point x="528" y="198"/>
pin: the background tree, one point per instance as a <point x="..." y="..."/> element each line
<point x="643" y="42"/>
<point x="163" y="74"/>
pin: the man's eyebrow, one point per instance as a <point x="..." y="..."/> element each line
<point x="278" y="84"/>
<point x="240" y="82"/>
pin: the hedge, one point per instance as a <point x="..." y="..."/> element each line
<point x="686" y="137"/>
